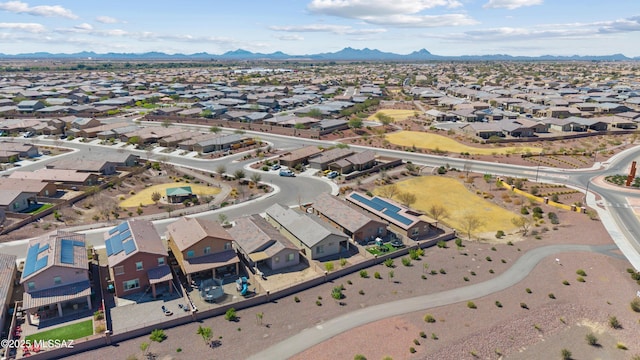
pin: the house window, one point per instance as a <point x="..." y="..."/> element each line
<point x="118" y="270"/>
<point x="276" y="259"/>
<point x="415" y="231"/>
<point x="160" y="261"/>
<point x="291" y="257"/>
<point x="57" y="280"/>
<point x="320" y="249"/>
<point x="380" y="230"/>
<point x="31" y="285"/>
<point x="131" y="284"/>
<point x="139" y="266"/>
<point x="425" y="228"/>
<point x="207" y="250"/>
<point x="227" y="245"/>
<point x="190" y="254"/>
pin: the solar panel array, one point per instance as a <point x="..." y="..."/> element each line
<point x="120" y="240"/>
<point x="383" y="206"/>
<point x="67" y="250"/>
<point x="32" y="263"/>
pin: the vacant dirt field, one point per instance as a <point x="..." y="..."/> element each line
<point x="435" y="142"/>
<point x="394" y="114"/>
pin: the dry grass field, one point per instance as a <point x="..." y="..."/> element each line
<point x="395" y="114"/>
<point x="443" y="143"/>
<point x="144" y="196"/>
<point x="458" y="201"/>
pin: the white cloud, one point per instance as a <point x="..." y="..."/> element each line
<point x="28" y="27"/>
<point x="356" y="9"/>
<point x="422" y="20"/>
<point x="83" y="26"/>
<point x="20" y="7"/>
<point x="398" y="13"/>
<point x="335" y="29"/>
<point x="510" y="4"/>
<point x="107" y="20"/>
<point x="291" y="37"/>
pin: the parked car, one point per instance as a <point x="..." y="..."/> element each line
<point x="397" y="243"/>
<point x="332" y="175"/>
<point x="275" y="167"/>
<point x="28" y="134"/>
<point x="287" y="172"/>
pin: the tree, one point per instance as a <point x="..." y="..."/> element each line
<point x="384" y="119"/>
<point x="223" y="219"/>
<point x="215" y="129"/>
<point x="355" y="123"/>
<point x="470" y="222"/>
<point x="487" y="178"/>
<point x="315" y="113"/>
<point x="231" y="315"/>
<point x="206" y="334"/>
<point x="144" y="347"/>
<point x="467" y="168"/>
<point x="166" y="123"/>
<point x="239" y="174"/>
<point x="255" y="178"/>
<point x="407" y="198"/>
<point x="156" y="197"/>
<point x="221" y="169"/>
<point x="388" y="191"/>
<point x="157" y="335"/>
<point x="259" y="317"/>
<point x="168" y="208"/>
<point x="438" y="212"/>
<point x="523" y="223"/>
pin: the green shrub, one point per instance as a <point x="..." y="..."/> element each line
<point x="580" y="279"/>
<point x="296" y="299"/>
<point x="491" y="271"/>
<point x="458" y="242"/>
<point x="465" y="278"/>
<point x="406" y="261"/>
<point x="434" y="336"/>
<point x="524" y="306"/>
<point x="565" y="354"/>
<point x="412" y="350"/>
<point x="488" y="258"/>
<point x="614" y="323"/>
<point x="423" y="335"/>
<point x="581" y="272"/>
<point x="498" y="304"/>
<point x="388" y="262"/>
<point x="471" y="305"/>
<point x="591" y="339"/>
<point x="551" y="296"/>
<point x="318" y="302"/>
<point x="415" y="341"/>
<point x="377" y="275"/>
<point x="442" y="244"/>
<point x="364" y="274"/>
<point x="528" y="290"/>
<point x="442" y="271"/>
<point x="328" y="266"/>
<point x="635" y="305"/>
<point x="429" y="318"/>
<point x="361" y="292"/>
<point x="499" y="234"/>
<point x="565" y="282"/>
<point x="231" y="315"/>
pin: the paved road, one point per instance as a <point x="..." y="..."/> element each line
<point x="320" y="333"/>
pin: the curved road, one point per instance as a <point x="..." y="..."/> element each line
<point x="320" y="333"/>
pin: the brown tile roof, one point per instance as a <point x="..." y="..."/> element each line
<point x="210" y="262"/>
<point x="341" y="213"/>
<point x="187" y="231"/>
<point x="301" y="153"/>
<point x="55" y="295"/>
<point x="253" y="234"/>
<point x="145" y="237"/>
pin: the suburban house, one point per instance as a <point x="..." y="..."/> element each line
<point x="316" y="238"/>
<point x="356" y="162"/>
<point x="41" y="188"/>
<point x="322" y="161"/>
<point x="361" y="227"/>
<point x="67" y="177"/>
<point x="299" y="156"/>
<point x="401" y="219"/>
<point x="8" y="272"/>
<point x="84" y="165"/>
<point x="56" y="276"/>
<point x="260" y="243"/>
<point x="202" y="248"/>
<point x="17" y="200"/>
<point x="23" y="150"/>
<point x="137" y="258"/>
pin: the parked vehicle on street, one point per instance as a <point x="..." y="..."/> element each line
<point x="287" y="172"/>
<point x="332" y="175"/>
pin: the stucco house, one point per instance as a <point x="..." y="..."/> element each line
<point x="56" y="276"/>
<point x="137" y="258"/>
<point x="260" y="243"/>
<point x="315" y="237"/>
<point x="202" y="248"/>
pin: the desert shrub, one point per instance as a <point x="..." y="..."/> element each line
<point x="621" y="346"/>
<point x="488" y="258"/>
<point x="377" y="275"/>
<point x="296" y="299"/>
<point x="406" y="261"/>
<point x="423" y="335"/>
<point x="231" y="315"/>
<point x="580" y="279"/>
<point x="591" y="339"/>
<point x="465" y="278"/>
<point x="442" y="244"/>
<point x="524" y="210"/>
<point x="528" y="290"/>
<point x="491" y="271"/>
<point x="442" y="271"/>
<point x="565" y="354"/>
<point x="415" y="341"/>
<point x="498" y="304"/>
<point x="429" y="318"/>
<point x="524" y="306"/>
<point x="364" y="274"/>
<point x="471" y="305"/>
<point x="499" y="234"/>
<point x="458" y="242"/>
<point x="581" y="272"/>
<point x="552" y="296"/>
<point x="565" y="282"/>
<point x="388" y="262"/>
<point x="361" y="292"/>
<point x="328" y="266"/>
<point x="635" y="305"/>
<point x="412" y="350"/>
<point x="614" y="323"/>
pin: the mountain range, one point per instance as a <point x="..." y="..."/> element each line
<point x="346" y="54"/>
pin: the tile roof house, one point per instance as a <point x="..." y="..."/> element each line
<point x="8" y="274"/>
<point x="202" y="248"/>
<point x="260" y="243"/>
<point x="55" y="274"/>
<point x="137" y="258"/>
<point x="315" y="237"/>
<point x="17" y="200"/>
<point x="356" y="162"/>
<point x="41" y="188"/>
<point x="69" y="177"/>
<point x="401" y="219"/>
<point x="322" y="161"/>
<point x="359" y="225"/>
<point x="299" y="156"/>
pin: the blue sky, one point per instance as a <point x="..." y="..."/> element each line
<point x="444" y="27"/>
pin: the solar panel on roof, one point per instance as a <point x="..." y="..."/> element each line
<point x="78" y="243"/>
<point x="30" y="261"/>
<point x="42" y="262"/>
<point x="367" y="202"/>
<point x="43" y="248"/>
<point x="129" y="246"/>
<point x="107" y="244"/>
<point x="66" y="251"/>
<point x="116" y="244"/>
<point x="398" y="217"/>
<point x="385" y="204"/>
